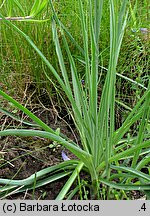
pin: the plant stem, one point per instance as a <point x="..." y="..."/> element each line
<point x="17" y="18"/>
<point x="95" y="190"/>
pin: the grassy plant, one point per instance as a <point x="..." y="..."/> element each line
<point x="102" y="147"/>
<point x="15" y="67"/>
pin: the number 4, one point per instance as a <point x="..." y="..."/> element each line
<point x="143" y="207"/>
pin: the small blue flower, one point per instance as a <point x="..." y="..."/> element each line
<point x="64" y="156"/>
<point x="144" y="30"/>
<point x="83" y="82"/>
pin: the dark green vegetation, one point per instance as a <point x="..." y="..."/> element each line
<point x="86" y="63"/>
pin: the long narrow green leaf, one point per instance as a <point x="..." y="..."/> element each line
<point x="80" y="100"/>
<point x="40" y="174"/>
<point x="130" y="151"/>
<point x="70" y="181"/>
<point x="143" y="162"/>
<point x="142" y="128"/>
<point x="125" y="186"/>
<point x="65" y="29"/>
<point x="23" y="188"/>
<point x="19" y="6"/>
<point x="37" y="7"/>
<point x="134" y="115"/>
<point x="132" y="171"/>
<point x="125" y="153"/>
<point x="46" y="181"/>
<point x="27" y="112"/>
<point x="6" y="112"/>
<point x="7" y="188"/>
<point x="98" y="8"/>
<point x="60" y="56"/>
<point x="121" y="175"/>
<point x="83" y="155"/>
